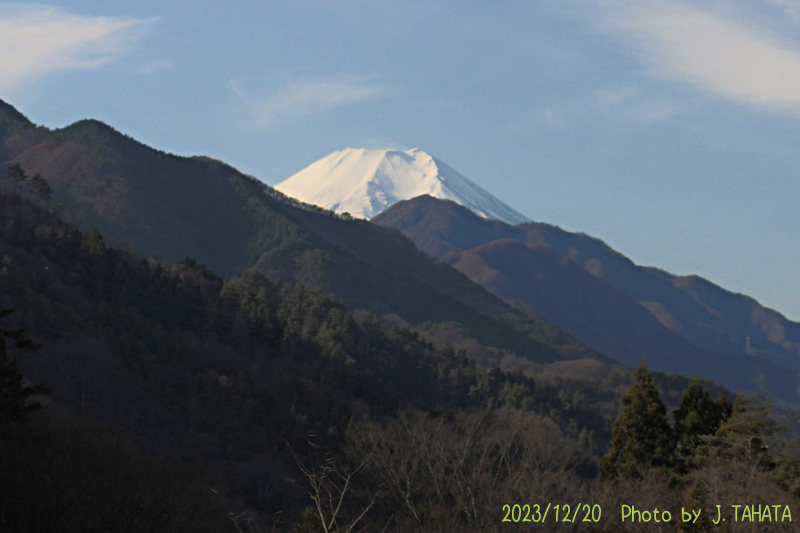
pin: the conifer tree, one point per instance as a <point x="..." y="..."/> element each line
<point x="697" y="415"/>
<point x="742" y="437"/>
<point x="40" y="188"/>
<point x="94" y="243"/>
<point x="641" y="435"/>
<point x="14" y="394"/>
<point x="17" y="175"/>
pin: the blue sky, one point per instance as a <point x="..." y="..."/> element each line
<point x="670" y="129"/>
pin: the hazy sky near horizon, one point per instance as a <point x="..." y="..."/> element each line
<point x="669" y="129"/>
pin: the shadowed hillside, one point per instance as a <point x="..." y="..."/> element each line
<point x="604" y="299"/>
<point x="176" y="207"/>
<point x="224" y="374"/>
<point x="260" y="398"/>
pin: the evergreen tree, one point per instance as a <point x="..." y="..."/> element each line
<point x="641" y="436"/>
<point x="17" y="175"/>
<point x="787" y="471"/>
<point x="697" y="415"/>
<point x="742" y="437"/>
<point x="14" y="394"/>
<point x="94" y="244"/>
<point x="40" y="188"/>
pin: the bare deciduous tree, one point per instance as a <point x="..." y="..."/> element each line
<point x="456" y="475"/>
<point x="332" y="489"/>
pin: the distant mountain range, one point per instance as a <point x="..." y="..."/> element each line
<point x="364" y="183"/>
<point x="176" y="207"/>
<point x="508" y="284"/>
<point x="582" y="285"/>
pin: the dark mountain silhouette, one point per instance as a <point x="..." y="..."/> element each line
<point x="556" y="288"/>
<point x="683" y="324"/>
<point x="250" y="392"/>
<point x="11" y="121"/>
<point x="219" y="374"/>
<point x="176" y="207"/>
<point x="222" y="375"/>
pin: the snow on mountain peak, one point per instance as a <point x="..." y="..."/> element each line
<point x="366" y="182"/>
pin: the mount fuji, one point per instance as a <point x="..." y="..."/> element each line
<point x="364" y="183"/>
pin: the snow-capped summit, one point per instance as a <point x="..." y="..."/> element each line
<point x="366" y="182"/>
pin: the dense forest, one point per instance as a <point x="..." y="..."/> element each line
<point x="179" y="401"/>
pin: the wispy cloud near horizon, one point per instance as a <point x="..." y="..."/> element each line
<point x="719" y="54"/>
<point x="38" y="39"/>
<point x="304" y="98"/>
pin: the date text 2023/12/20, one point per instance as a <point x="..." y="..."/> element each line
<point x="537" y="513"/>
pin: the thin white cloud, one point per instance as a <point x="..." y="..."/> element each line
<point x="553" y="118"/>
<point x="732" y="58"/>
<point x="148" y="69"/>
<point x="304" y="98"/>
<point x="38" y="39"/>
<point x="634" y="105"/>
<point x="617" y="96"/>
<point x="442" y="103"/>
<point x="788" y="8"/>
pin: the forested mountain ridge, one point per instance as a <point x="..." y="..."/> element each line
<point x="695" y="308"/>
<point x="175" y="207"/>
<point x="223" y="374"/>
<point x="11" y="120"/>
<point x="685" y="325"/>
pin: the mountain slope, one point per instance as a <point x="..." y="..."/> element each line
<point x="701" y="312"/>
<point x="219" y="374"/>
<point x="363" y="183"/>
<point x="11" y="121"/>
<point x="564" y="293"/>
<point x="174" y="207"/>
<point x="111" y="182"/>
<point x="177" y="207"/>
<point x="580" y="284"/>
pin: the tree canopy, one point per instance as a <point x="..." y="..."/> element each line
<point x="641" y="435"/>
<point x="15" y="403"/>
